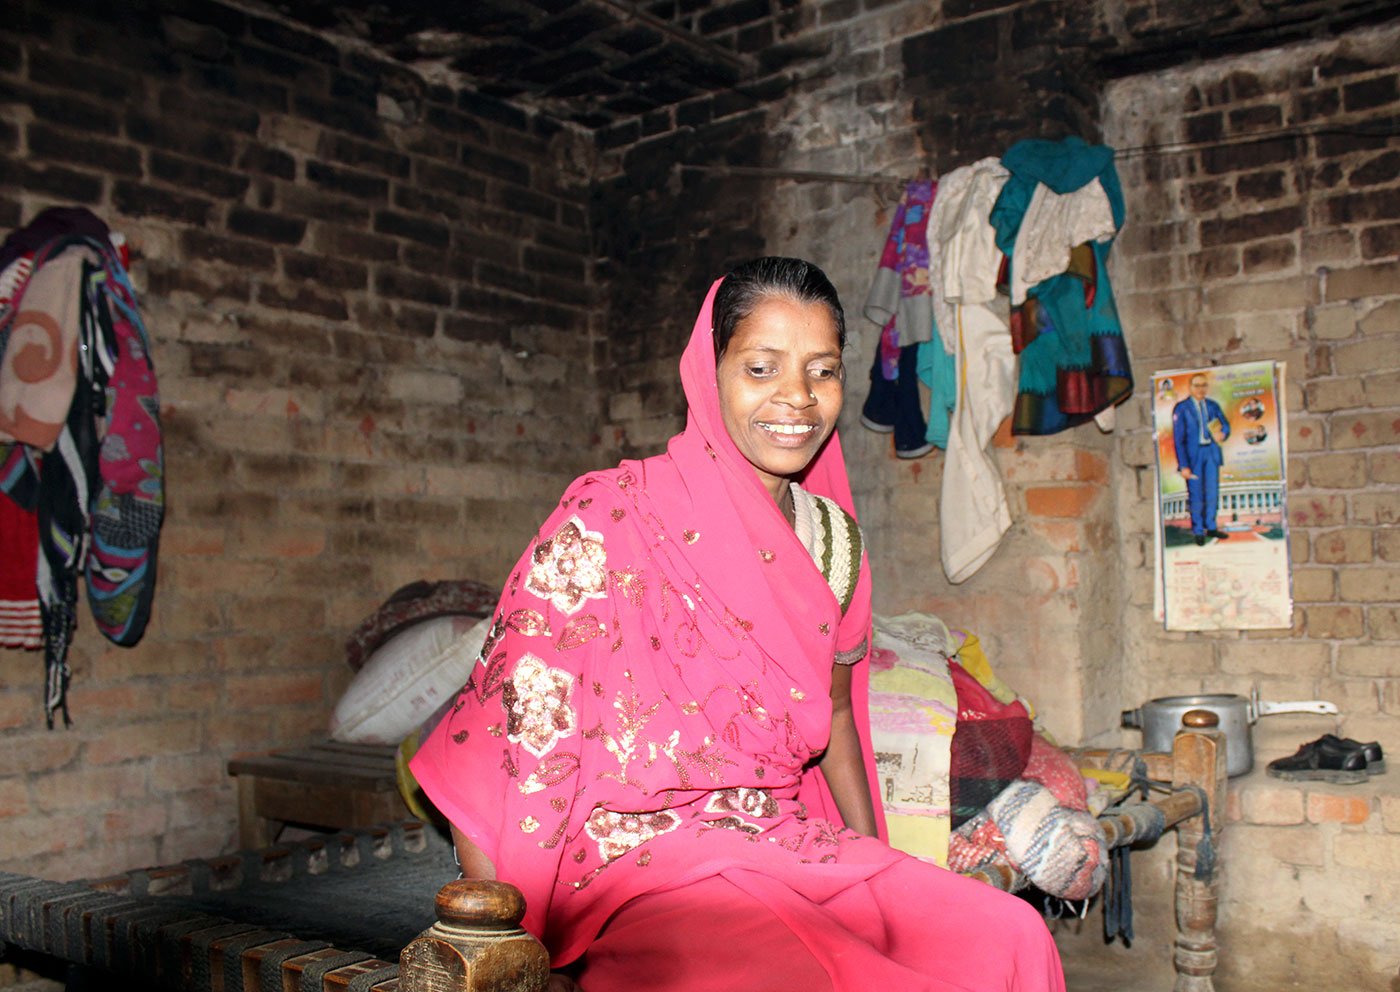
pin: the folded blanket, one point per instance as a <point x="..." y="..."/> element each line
<point x="1040" y="826"/>
<point x="913" y="710"/>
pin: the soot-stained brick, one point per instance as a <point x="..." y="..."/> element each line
<point x="376" y="158"/>
<point x="403" y="285"/>
<point x="448" y="181"/>
<point x="289" y="39"/>
<point x="303" y="299"/>
<point x="266" y="226"/>
<point x="1380" y="204"/>
<point x="477" y="330"/>
<point x="1384" y="168"/>
<point x="248" y="90"/>
<point x="510" y="170"/>
<point x="202" y="245"/>
<point x="415" y="228"/>
<point x="357" y="244"/>
<point x="1368" y="93"/>
<point x="1247" y="155"/>
<point x="55" y="180"/>
<point x="348" y="181"/>
<point x="1260" y="185"/>
<point x="337" y="114"/>
<point x="74" y="112"/>
<point x="177" y="134"/>
<point x="492" y="110"/>
<point x="267" y="161"/>
<point x="260" y="58"/>
<point x="957" y="54"/>
<point x="61" y="146"/>
<point x="139" y="200"/>
<point x="1248" y="227"/>
<point x="62" y="72"/>
<point x="332" y="273"/>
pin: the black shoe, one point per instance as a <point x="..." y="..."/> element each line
<point x="1322" y="761"/>
<point x="1219" y="535"/>
<point x="1200" y="539"/>
<point x="1375" y="757"/>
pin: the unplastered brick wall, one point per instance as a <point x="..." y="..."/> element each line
<point x="1268" y="227"/>
<point x="908" y="88"/>
<point x="1064" y="605"/>
<point x="875" y="89"/>
<point x="369" y="297"/>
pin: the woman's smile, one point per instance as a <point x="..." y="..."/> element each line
<point x="797" y="432"/>
<point x="781" y="387"/>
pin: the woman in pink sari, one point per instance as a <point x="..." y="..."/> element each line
<point x="665" y="746"/>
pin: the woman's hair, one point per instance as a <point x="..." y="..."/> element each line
<point x="753" y="282"/>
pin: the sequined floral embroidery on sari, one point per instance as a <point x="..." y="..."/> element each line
<point x="617" y="833"/>
<point x="569" y="568"/>
<point x="536" y="699"/>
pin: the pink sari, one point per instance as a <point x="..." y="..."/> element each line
<point x="639" y="742"/>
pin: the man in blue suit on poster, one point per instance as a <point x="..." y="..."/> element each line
<point x="1199" y="428"/>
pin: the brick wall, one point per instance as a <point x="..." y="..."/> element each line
<point x="1065" y="603"/>
<point x="370" y="303"/>
<point x="669" y="219"/>
<point x="1254" y="246"/>
<point x="1250" y="253"/>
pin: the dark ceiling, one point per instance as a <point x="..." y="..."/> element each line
<point x="589" y="61"/>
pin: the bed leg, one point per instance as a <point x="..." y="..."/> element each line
<point x="477" y="944"/>
<point x="1198" y="758"/>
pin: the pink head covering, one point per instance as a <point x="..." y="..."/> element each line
<point x="738" y="499"/>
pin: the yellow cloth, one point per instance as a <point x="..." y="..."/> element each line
<point x="974" y="661"/>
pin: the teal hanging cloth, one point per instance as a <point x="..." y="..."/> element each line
<point x="1073" y="361"/>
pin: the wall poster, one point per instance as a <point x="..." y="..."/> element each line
<point x="1222" y="526"/>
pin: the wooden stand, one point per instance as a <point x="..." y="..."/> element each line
<point x="477" y="945"/>
<point x="1198" y="759"/>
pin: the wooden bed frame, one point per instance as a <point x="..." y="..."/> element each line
<point x="477" y="944"/>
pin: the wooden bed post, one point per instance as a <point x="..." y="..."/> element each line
<point x="477" y="945"/>
<point x="1198" y="759"/>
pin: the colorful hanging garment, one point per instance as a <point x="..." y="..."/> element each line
<point x="99" y="494"/>
<point x="1073" y="361"/>
<point x="900" y="303"/>
<point x="899" y="300"/>
<point x="20" y="623"/>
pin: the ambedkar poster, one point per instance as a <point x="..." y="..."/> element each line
<point x="1222" y="523"/>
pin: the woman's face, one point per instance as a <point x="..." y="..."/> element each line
<point x="781" y="386"/>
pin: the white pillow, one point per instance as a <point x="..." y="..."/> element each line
<point x="407" y="679"/>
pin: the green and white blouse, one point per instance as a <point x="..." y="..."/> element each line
<point x="832" y="537"/>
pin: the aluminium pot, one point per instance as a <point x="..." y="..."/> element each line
<point x="1160" y="719"/>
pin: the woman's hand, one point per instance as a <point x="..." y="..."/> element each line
<point x="560" y="982"/>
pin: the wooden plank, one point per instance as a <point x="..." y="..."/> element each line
<point x="253" y="831"/>
<point x="380" y="751"/>
<point x="332" y="806"/>
<point x="318" y="773"/>
<point x="317" y="756"/>
<point x="1159" y="766"/>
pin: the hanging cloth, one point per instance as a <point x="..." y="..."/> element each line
<point x="99" y="493"/>
<point x="1074" y="363"/>
<point x="20" y="623"/>
<point x="899" y="299"/>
